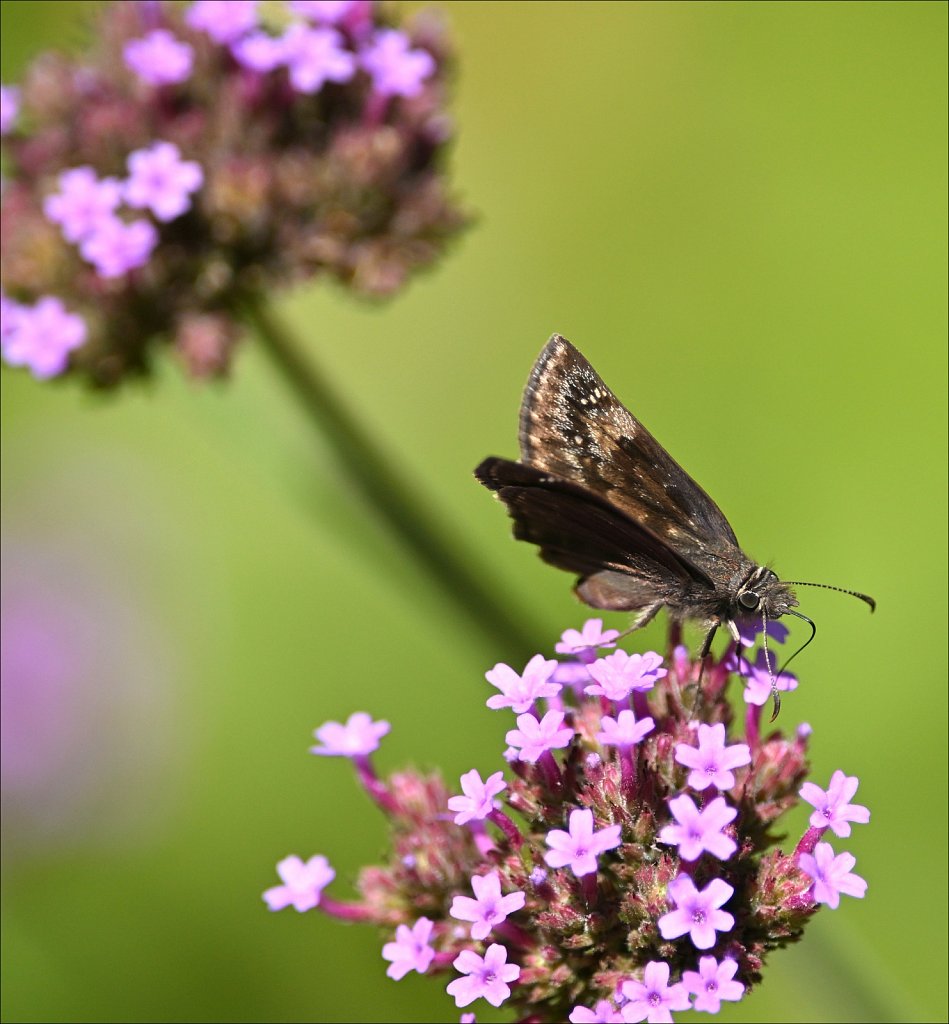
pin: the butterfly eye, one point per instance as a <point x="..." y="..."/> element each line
<point x="748" y="599"/>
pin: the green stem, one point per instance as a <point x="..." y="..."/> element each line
<point x="396" y="500"/>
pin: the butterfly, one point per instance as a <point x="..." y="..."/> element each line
<point x="601" y="498"/>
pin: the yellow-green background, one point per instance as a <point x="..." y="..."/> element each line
<point x="737" y="211"/>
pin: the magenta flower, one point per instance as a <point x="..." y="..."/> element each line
<point x="82" y="203"/>
<point x="750" y="629"/>
<point x="833" y="809"/>
<point x="519" y="692"/>
<point x="395" y="69"/>
<point x="160" y="181"/>
<point x="9" y="107"/>
<point x="603" y="1013"/>
<point x="41" y="336"/>
<point x="757" y="675"/>
<point x="581" y="845"/>
<point x="488" y="908"/>
<point x="653" y="999"/>
<point x="623" y="731"/>
<point x="712" y="762"/>
<point x="832" y="875"/>
<point x="411" y="950"/>
<point x="159" y="58"/>
<point x="534" y="738"/>
<point x="303" y="883"/>
<point x="700" y="831"/>
<point x="328" y="12"/>
<point x="619" y="673"/>
<point x="259" y="52"/>
<point x="116" y="247"/>
<point x="357" y="738"/>
<point x="224" y="21"/>
<point x="478" y="800"/>
<point x="487" y="976"/>
<point x="315" y="56"/>
<point x="697" y="912"/>
<point x="583" y="643"/>
<point x="712" y="983"/>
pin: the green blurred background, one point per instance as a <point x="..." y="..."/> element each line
<point x="737" y="211"/>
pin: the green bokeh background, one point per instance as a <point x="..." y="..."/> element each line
<point x="737" y="211"/>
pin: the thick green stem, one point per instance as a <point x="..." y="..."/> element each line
<point x="396" y="500"/>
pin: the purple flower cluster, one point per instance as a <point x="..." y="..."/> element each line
<point x="204" y="153"/>
<point x="625" y="871"/>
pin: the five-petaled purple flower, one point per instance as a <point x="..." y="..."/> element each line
<point x="488" y="908"/>
<point x="259" y="51"/>
<point x="115" y="247"/>
<point x="159" y="58"/>
<point x="9" y="107"/>
<point x="411" y="950"/>
<point x="357" y="738"/>
<point x="758" y="675"/>
<point x="619" y="673"/>
<point x="519" y="692"/>
<point x="697" y="911"/>
<point x="534" y="738"/>
<point x="82" y="202"/>
<point x="303" y="883"/>
<point x="698" y="831"/>
<point x="487" y="976"/>
<point x="603" y="1013"/>
<point x="160" y="181"/>
<point x="478" y="800"/>
<point x="750" y="629"/>
<point x="833" y="809"/>
<point x="315" y="56"/>
<point x="653" y="998"/>
<point x="223" y="20"/>
<point x="582" y="643"/>
<point x="712" y="983"/>
<point x="624" y="730"/>
<point x="832" y="875"/>
<point x="712" y="762"/>
<point x="581" y="845"/>
<point x="40" y="336"/>
<point x="395" y="69"/>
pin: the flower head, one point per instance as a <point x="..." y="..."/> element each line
<point x="315" y="56"/>
<point x="9" y="107"/>
<point x="303" y="883"/>
<point x="395" y="68"/>
<point x="535" y="738"/>
<point x="653" y="998"/>
<point x="832" y="875"/>
<point x="160" y="181"/>
<point x="115" y="247"/>
<point x="712" y="761"/>
<point x="712" y="983"/>
<point x="224" y="20"/>
<point x="82" y="202"/>
<point x="358" y="737"/>
<point x="488" y="908"/>
<point x="623" y="731"/>
<point x="603" y="1013"/>
<point x="41" y="336"/>
<point x="411" y="950"/>
<point x="700" y="831"/>
<point x="159" y="58"/>
<point x="520" y="692"/>
<point x="487" y="976"/>
<point x="697" y="912"/>
<point x="832" y="809"/>
<point x="579" y="847"/>
<point x="582" y="643"/>
<point x="619" y="673"/>
<point x="478" y="800"/>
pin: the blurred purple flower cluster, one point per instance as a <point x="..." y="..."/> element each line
<point x="630" y="876"/>
<point x="204" y="154"/>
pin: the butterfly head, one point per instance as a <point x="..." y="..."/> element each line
<point x="764" y="594"/>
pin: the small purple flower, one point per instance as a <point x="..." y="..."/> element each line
<point x="315" y="56"/>
<point x="303" y="883"/>
<point x="478" y="801"/>
<point x="712" y="983"/>
<point x="582" y="642"/>
<point x="580" y="847"/>
<point x="619" y="673"/>
<point x="40" y="336"/>
<point x="519" y="692"/>
<point x="653" y="998"/>
<point x="833" y="809"/>
<point x="603" y="1013"/>
<point x="328" y="12"/>
<point x="115" y="247"/>
<point x="624" y="730"/>
<point x="357" y="738"/>
<point x="757" y="676"/>
<point x="750" y="629"/>
<point x="223" y="20"/>
<point x="700" y="831"/>
<point x="535" y="738"/>
<point x="9" y="107"/>
<point x="712" y="762"/>
<point x="160" y="181"/>
<point x="159" y="58"/>
<point x="411" y="950"/>
<point x="487" y="976"/>
<point x="82" y="203"/>
<point x="259" y="52"/>
<point x="832" y="875"/>
<point x="488" y="908"/>
<point x="697" y="912"/>
<point x="395" y="69"/>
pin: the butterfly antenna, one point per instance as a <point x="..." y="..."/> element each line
<point x="840" y="590"/>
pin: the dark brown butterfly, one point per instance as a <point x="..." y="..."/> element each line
<point x="602" y="498"/>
